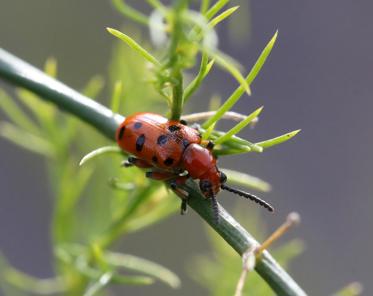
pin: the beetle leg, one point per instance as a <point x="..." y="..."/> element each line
<point x="208" y="144"/>
<point x="179" y="180"/>
<point x="133" y="161"/>
<point x="160" y="176"/>
<point x="174" y="181"/>
<point x="174" y="184"/>
<point x="183" y="206"/>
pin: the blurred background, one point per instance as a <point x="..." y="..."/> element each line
<point x="318" y="78"/>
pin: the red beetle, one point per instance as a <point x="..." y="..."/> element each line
<point x="175" y="152"/>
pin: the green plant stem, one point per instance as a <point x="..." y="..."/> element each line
<point x="22" y="74"/>
<point x="177" y="96"/>
<point x="173" y="62"/>
<point x="240" y="240"/>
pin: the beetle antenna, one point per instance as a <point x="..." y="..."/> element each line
<point x="248" y="196"/>
<point x="215" y="209"/>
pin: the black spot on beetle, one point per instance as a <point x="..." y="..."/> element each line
<point x="183" y="122"/>
<point x="137" y="125"/>
<point x="121" y="132"/>
<point x="155" y="159"/>
<point x="185" y="143"/>
<point x="162" y="139"/>
<point x="140" y="142"/>
<point x="169" y="161"/>
<point x="174" y="128"/>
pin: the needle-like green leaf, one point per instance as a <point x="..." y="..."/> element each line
<point x="231" y="151"/>
<point x="208" y="132"/>
<point x="238" y="127"/>
<point x="203" y="71"/>
<point x="227" y="64"/>
<point x="277" y="140"/>
<point x="76" y="255"/>
<point x="98" y="152"/>
<point x="204" y="6"/>
<point x="26" y="140"/>
<point x="93" y="87"/>
<point x="235" y="142"/>
<point x="125" y="186"/>
<point x="29" y="284"/>
<point x="262" y="59"/>
<point x="15" y="113"/>
<point x="117" y="94"/>
<point x="236" y="95"/>
<point x="50" y="67"/>
<point x="129" y="12"/>
<point x="43" y="112"/>
<point x="221" y="17"/>
<point x="134" y="280"/>
<point x="216" y="8"/>
<point x="163" y="210"/>
<point x="98" y="285"/>
<point x="134" y="45"/>
<point x="352" y="289"/>
<point x="157" y="4"/>
<point x="142" y="265"/>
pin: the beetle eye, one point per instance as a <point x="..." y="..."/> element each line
<point x="205" y="185"/>
<point x="223" y="177"/>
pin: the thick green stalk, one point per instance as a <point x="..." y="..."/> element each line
<point x="240" y="240"/>
<point x="173" y="63"/>
<point x="24" y="75"/>
<point x="177" y="96"/>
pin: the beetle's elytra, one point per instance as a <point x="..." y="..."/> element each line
<point x="174" y="152"/>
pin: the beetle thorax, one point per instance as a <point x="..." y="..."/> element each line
<point x="197" y="160"/>
<point x="201" y="164"/>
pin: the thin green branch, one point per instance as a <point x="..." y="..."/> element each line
<point x="22" y="74"/>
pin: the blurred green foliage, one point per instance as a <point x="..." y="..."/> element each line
<point x="352" y="289"/>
